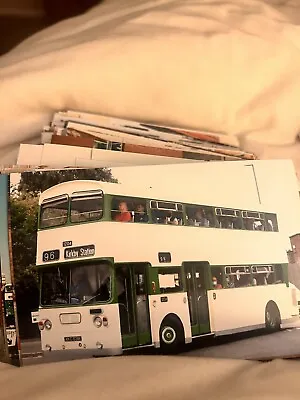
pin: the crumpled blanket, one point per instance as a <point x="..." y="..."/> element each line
<point x="225" y="66"/>
<point x="147" y="378"/>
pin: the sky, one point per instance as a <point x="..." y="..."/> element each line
<point x="3" y="228"/>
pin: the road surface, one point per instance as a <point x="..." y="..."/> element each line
<point x="282" y="344"/>
<point x="251" y="346"/>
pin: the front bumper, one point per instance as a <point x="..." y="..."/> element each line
<point x="75" y="354"/>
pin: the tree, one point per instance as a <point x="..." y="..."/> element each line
<point x="38" y="181"/>
<point x="23" y="215"/>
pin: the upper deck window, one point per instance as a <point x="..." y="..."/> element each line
<point x="54" y="211"/>
<point x="86" y="206"/>
<point x="271" y="222"/>
<point x="164" y="212"/>
<point x="200" y="216"/>
<point x="129" y="209"/>
<point x="254" y="221"/>
<point x="228" y="218"/>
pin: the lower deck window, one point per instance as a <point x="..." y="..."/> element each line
<point x="170" y="280"/>
<point x="241" y="276"/>
<point x="79" y="284"/>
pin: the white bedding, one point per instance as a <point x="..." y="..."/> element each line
<point x="228" y="66"/>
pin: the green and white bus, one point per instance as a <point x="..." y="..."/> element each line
<point x="125" y="267"/>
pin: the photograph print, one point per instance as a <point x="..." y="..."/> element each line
<point x="107" y="262"/>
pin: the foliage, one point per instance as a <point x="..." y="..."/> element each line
<point x="23" y="213"/>
<point x="38" y="181"/>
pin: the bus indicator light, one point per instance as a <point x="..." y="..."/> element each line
<point x="41" y="325"/>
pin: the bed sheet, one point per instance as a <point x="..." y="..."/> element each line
<point x="226" y="66"/>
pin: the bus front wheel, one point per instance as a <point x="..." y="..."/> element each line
<point x="272" y="317"/>
<point x="171" y="335"/>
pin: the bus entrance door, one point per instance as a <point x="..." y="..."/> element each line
<point x="197" y="279"/>
<point x="131" y="282"/>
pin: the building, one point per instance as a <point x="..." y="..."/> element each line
<point x="294" y="254"/>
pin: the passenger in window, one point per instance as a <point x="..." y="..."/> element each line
<point x="258" y="225"/>
<point x="249" y="224"/>
<point x="171" y="219"/>
<point x="228" y="223"/>
<point x="215" y="283"/>
<point x="124" y="215"/>
<point x="229" y="282"/>
<point x="270" y="225"/>
<point x="140" y="214"/>
<point x="254" y="281"/>
<point x="200" y="219"/>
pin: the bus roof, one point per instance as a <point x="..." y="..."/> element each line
<point x="195" y="195"/>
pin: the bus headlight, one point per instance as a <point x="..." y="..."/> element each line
<point x="41" y="325"/>
<point x="48" y="324"/>
<point x="98" y="322"/>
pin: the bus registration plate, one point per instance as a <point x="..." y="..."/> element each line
<point x="80" y="251"/>
<point x="73" y="338"/>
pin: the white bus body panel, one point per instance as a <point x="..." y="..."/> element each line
<point x="243" y="309"/>
<point x="217" y="246"/>
<point x="177" y="304"/>
<point x="92" y="337"/>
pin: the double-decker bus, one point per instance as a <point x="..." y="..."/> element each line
<point x="125" y="267"/>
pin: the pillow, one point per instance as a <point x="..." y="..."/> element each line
<point x="229" y="67"/>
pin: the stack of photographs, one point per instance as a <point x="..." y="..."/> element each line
<point x="198" y="259"/>
<point x="77" y="139"/>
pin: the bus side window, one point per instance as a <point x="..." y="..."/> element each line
<point x="248" y="224"/>
<point x="278" y="274"/>
<point x="54" y="212"/>
<point x="258" y="225"/>
<point x="170" y="280"/>
<point x="228" y="218"/>
<point x="122" y="209"/>
<point x="140" y="211"/>
<point x="86" y="207"/>
<point x="198" y="216"/>
<point x="237" y="221"/>
<point x="166" y="213"/>
<point x="217" y="277"/>
<point x="260" y="279"/>
<point x="241" y="276"/>
<point x="264" y="276"/>
<point x="271" y="222"/>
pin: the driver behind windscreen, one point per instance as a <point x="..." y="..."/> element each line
<point x="80" y="287"/>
